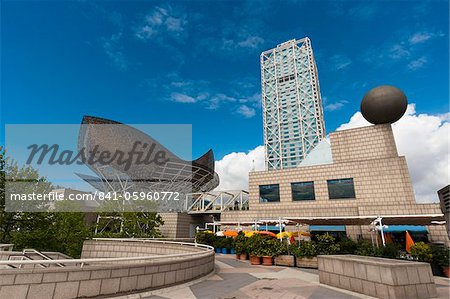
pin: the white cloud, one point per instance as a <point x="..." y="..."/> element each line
<point x="335" y="106"/>
<point x="251" y="42"/>
<point x="421" y="37"/>
<point x="113" y="50"/>
<point x="182" y="98"/>
<point x="340" y="62"/>
<point x="398" y="51"/>
<point x="424" y="140"/>
<point x="162" y="20"/>
<point x="417" y="63"/>
<point x="233" y="169"/>
<point x="246" y="111"/>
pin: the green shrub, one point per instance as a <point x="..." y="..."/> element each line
<point x="228" y="243"/>
<point x="366" y="248"/>
<point x="326" y="244"/>
<point x="390" y="251"/>
<point x="441" y="255"/>
<point x="421" y="252"/>
<point x="240" y="243"/>
<point x="305" y="249"/>
<point x="284" y="248"/>
<point x="347" y="246"/>
<point x="270" y="247"/>
<point x="206" y="238"/>
<point x="255" y="244"/>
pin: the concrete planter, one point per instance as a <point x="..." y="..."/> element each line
<point x="378" y="277"/>
<point x="285" y="260"/>
<point x="255" y="260"/>
<point x="306" y="262"/>
<point x="267" y="260"/>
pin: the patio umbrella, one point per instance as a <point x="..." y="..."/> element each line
<point x="284" y="235"/>
<point x="250" y="233"/>
<point x="230" y="233"/>
<point x="267" y="233"/>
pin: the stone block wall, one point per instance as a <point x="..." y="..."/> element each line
<point x="177" y="225"/>
<point x="378" y="277"/>
<point x="106" y="278"/>
<point x="381" y="180"/>
<point x="366" y="143"/>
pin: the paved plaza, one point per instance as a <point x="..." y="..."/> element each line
<point x="236" y="279"/>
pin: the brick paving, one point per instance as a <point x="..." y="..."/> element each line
<point x="236" y="279"/>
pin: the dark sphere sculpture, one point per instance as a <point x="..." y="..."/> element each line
<point x="384" y="105"/>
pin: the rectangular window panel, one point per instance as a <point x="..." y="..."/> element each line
<point x="269" y="193"/>
<point x="342" y="188"/>
<point x="303" y="191"/>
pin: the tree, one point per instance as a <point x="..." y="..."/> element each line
<point x="45" y="231"/>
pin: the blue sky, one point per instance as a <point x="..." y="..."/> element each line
<point x="198" y="62"/>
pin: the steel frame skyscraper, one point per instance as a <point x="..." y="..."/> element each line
<point x="292" y="105"/>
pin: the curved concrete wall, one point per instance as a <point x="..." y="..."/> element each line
<point x="109" y="277"/>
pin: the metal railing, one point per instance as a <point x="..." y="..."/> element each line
<point x="85" y="261"/>
<point x="25" y="252"/>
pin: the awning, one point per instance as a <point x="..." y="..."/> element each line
<point x="327" y="228"/>
<point x="269" y="227"/>
<point x="425" y="219"/>
<point x="403" y="228"/>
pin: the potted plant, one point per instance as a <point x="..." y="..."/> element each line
<point x="440" y="260"/>
<point x="239" y="245"/>
<point x="271" y="247"/>
<point x="347" y="246"/>
<point x="225" y="245"/>
<point x="254" y="246"/>
<point x="326" y="245"/>
<point x="285" y="256"/>
<point x="306" y="254"/>
<point x="445" y="261"/>
<point x="228" y="245"/>
<point x="421" y="252"/>
<point x="218" y="244"/>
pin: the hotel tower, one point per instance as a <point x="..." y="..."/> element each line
<point x="292" y="106"/>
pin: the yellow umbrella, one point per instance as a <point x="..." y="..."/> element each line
<point x="249" y="233"/>
<point x="284" y="235"/>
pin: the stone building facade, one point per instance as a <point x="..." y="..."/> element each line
<point x="381" y="181"/>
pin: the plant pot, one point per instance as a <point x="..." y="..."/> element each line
<point x="243" y="256"/>
<point x="224" y="251"/>
<point x="232" y="251"/>
<point x="436" y="269"/>
<point x="285" y="260"/>
<point x="307" y="262"/>
<point x="238" y="256"/>
<point x="446" y="271"/>
<point x="267" y="260"/>
<point x="255" y="260"/>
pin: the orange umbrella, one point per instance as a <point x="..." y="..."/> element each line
<point x="267" y="233"/>
<point x="230" y="233"/>
<point x="409" y="242"/>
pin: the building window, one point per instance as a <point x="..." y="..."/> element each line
<point x="269" y="193"/>
<point x="342" y="188"/>
<point x="303" y="191"/>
